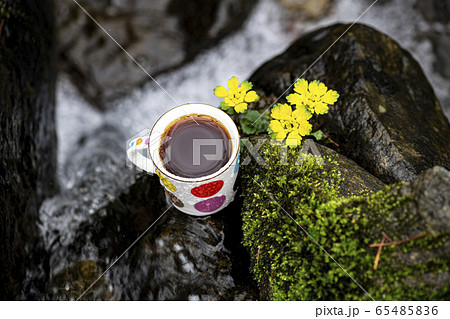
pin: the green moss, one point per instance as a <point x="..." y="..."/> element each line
<point x="292" y="214"/>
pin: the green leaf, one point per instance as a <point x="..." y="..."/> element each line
<point x="317" y="134"/>
<point x="224" y="106"/>
<point x="253" y="123"/>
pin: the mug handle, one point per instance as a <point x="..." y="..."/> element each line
<point x="141" y="161"/>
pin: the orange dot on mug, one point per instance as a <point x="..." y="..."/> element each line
<point x="139" y="141"/>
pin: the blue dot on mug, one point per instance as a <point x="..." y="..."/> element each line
<point x="211" y="204"/>
<point x="236" y="167"/>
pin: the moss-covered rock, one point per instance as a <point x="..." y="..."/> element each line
<point x="307" y="243"/>
<point x="355" y="179"/>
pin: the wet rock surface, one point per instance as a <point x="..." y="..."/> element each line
<point x="429" y="209"/>
<point x="74" y="282"/>
<point x="180" y="258"/>
<point x="27" y="135"/>
<point x="387" y="118"/>
<point x="175" y="257"/>
<point x="430" y="193"/>
<point x="160" y="35"/>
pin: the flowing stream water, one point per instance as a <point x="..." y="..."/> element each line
<point x="91" y="145"/>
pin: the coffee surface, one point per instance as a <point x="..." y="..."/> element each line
<point x="195" y="146"/>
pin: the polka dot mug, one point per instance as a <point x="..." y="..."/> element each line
<point x="198" y="196"/>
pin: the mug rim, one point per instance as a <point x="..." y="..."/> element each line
<point x="225" y="167"/>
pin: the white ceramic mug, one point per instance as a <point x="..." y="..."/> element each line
<point x="198" y="196"/>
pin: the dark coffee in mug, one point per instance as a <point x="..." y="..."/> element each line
<point x="195" y="146"/>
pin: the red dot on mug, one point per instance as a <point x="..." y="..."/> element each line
<point x="207" y="190"/>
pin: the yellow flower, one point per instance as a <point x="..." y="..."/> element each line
<point x="237" y="97"/>
<point x="289" y="125"/>
<point x="315" y="96"/>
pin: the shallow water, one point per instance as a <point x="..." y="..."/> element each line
<point x="92" y="170"/>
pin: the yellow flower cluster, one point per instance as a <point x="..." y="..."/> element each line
<point x="237" y="97"/>
<point x="291" y="124"/>
<point x="315" y="96"/>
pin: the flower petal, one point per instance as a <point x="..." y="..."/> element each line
<point x="304" y="128"/>
<point x="314" y="87"/>
<point x="276" y="126"/>
<point x="233" y="83"/>
<point x="276" y="112"/>
<point x="246" y="86"/>
<point x="280" y="136"/>
<point x="293" y="139"/>
<point x="295" y="99"/>
<point x="220" y="91"/>
<point x="321" y="108"/>
<point x="240" y="108"/>
<point x="321" y="89"/>
<point x="301" y="86"/>
<point x="330" y="97"/>
<point x="285" y="111"/>
<point x="301" y="113"/>
<point x="251" y="96"/>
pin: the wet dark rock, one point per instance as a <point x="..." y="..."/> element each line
<point x="387" y="118"/>
<point x="430" y="193"/>
<point x="27" y="135"/>
<point x="180" y="258"/>
<point x="160" y="34"/>
<point x="429" y="212"/>
<point x="204" y="22"/>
